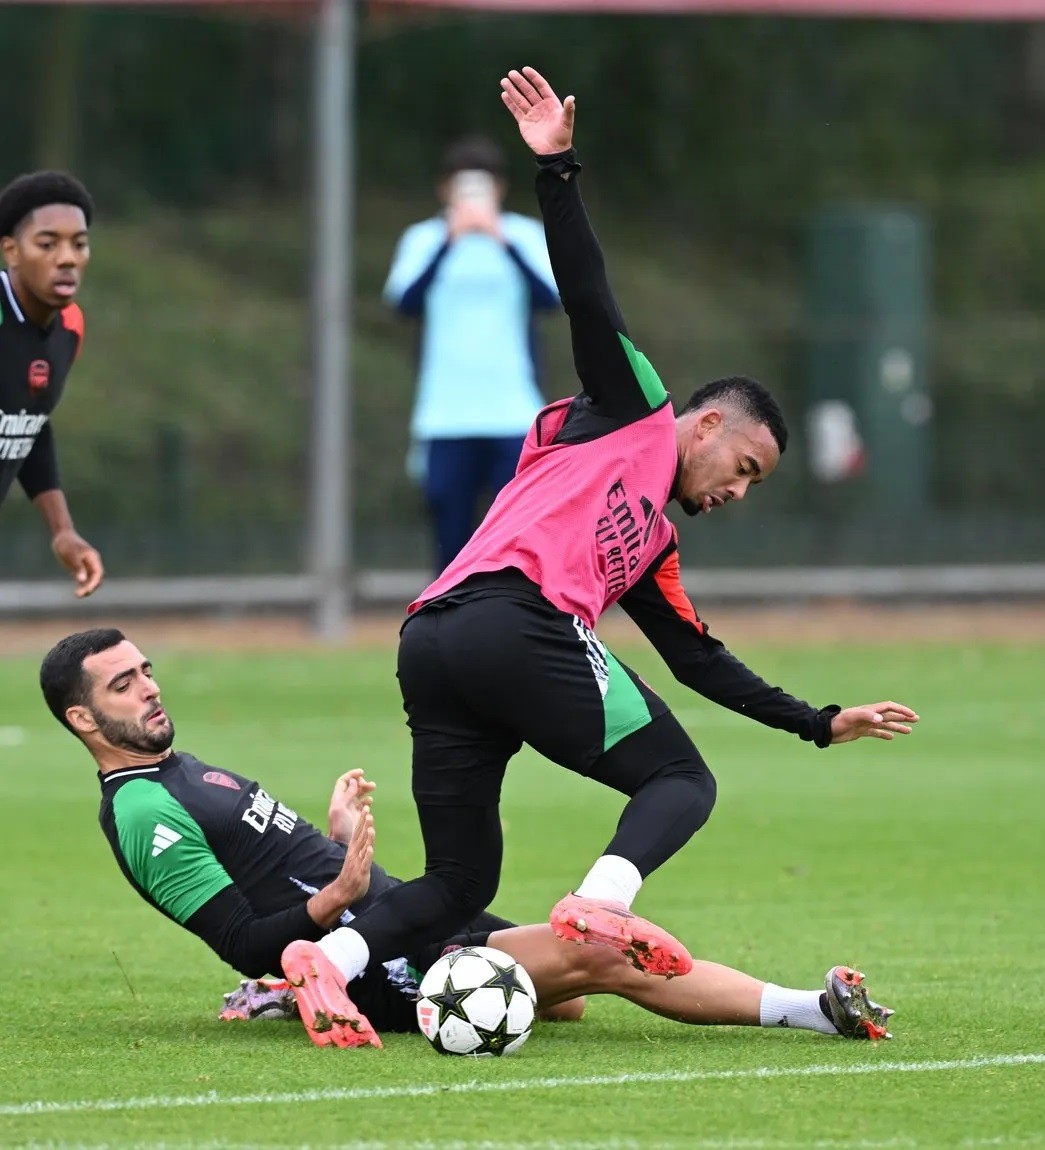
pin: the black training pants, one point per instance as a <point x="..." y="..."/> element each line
<point x="484" y="674"/>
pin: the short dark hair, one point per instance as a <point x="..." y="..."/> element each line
<point x="474" y="153"/>
<point x="747" y="396"/>
<point x="62" y="677"/>
<point x="24" y="194"/>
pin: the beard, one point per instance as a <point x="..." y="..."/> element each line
<point x="127" y="736"/>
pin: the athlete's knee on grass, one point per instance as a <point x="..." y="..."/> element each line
<point x="570" y="1011"/>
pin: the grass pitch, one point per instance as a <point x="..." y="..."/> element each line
<point x="919" y="861"/>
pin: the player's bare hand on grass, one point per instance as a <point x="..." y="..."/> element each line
<point x="545" y="122"/>
<point x="81" y="560"/>
<point x="352" y="794"/>
<point x="874" y="721"/>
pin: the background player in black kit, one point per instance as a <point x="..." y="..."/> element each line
<point x="44" y="222"/>
<point x="217" y="854"/>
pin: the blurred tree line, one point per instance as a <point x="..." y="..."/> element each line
<point x="708" y="118"/>
<point x="709" y="142"/>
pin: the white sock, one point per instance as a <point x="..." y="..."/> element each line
<point x="347" y="950"/>
<point x="611" y="879"/>
<point x="798" y="1009"/>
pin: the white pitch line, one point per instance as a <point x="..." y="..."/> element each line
<point x="984" y="1143"/>
<point x="424" y="1090"/>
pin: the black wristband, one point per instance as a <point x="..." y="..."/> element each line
<point x="560" y="163"/>
<point x="822" y="738"/>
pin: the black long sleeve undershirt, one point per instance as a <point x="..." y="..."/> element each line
<point x="250" y="943"/>
<point x="39" y="472"/>
<point x="660" y="609"/>
<point x="596" y="323"/>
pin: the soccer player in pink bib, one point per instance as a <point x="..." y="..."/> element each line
<point x="501" y="650"/>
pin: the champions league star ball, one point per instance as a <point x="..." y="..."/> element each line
<point x="476" y="1001"/>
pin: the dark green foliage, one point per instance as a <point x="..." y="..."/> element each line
<point x="708" y="144"/>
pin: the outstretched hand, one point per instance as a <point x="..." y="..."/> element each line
<point x="352" y="795"/>
<point x="351" y="823"/>
<point x="354" y="880"/>
<point x="545" y="122"/>
<point x="875" y="721"/>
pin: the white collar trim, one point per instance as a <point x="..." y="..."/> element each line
<point x="12" y="299"/>
<point x="125" y="772"/>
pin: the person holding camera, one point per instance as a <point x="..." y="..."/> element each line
<point x="474" y="276"/>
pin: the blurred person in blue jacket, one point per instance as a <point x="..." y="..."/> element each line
<point x="475" y="276"/>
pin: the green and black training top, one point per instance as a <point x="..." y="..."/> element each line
<point x="220" y="856"/>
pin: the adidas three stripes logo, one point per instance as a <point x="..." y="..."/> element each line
<point x="162" y="838"/>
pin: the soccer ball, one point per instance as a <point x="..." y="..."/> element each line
<point x="476" y="1001"/>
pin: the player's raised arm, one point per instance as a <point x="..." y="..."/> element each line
<point x="618" y="378"/>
